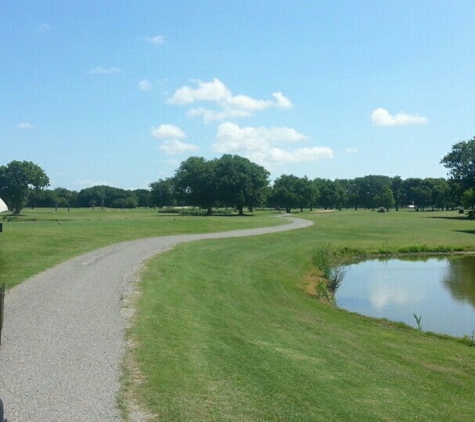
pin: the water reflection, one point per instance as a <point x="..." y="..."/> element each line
<point x="440" y="289"/>
<point x="460" y="280"/>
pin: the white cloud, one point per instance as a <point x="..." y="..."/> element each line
<point x="210" y="115"/>
<point x="207" y="91"/>
<point x="175" y="146"/>
<point x="258" y="144"/>
<point x="167" y="132"/>
<point x="24" y="126"/>
<point x="104" y="71"/>
<point x="381" y="117"/>
<point x="350" y="150"/>
<point x="171" y="136"/>
<point x="144" y="85"/>
<point x="282" y="100"/>
<point x="87" y="183"/>
<point x="157" y="39"/>
<point x="229" y="105"/>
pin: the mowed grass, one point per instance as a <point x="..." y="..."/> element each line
<point x="42" y="238"/>
<point x="224" y="331"/>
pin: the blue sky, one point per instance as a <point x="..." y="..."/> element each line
<point x="121" y="92"/>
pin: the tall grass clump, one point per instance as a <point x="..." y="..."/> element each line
<point x="326" y="260"/>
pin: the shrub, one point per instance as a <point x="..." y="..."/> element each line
<point x="326" y="261"/>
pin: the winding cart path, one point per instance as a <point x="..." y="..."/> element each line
<point x="63" y="337"/>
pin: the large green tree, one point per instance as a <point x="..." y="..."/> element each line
<point x="195" y="183"/>
<point x="16" y="178"/>
<point x="461" y="164"/>
<point x="240" y="182"/>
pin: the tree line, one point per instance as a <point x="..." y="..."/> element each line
<point x="235" y="182"/>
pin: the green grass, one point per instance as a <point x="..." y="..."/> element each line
<point x="42" y="238"/>
<point x="225" y="332"/>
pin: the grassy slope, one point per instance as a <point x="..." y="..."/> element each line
<point x="37" y="241"/>
<point x="225" y="331"/>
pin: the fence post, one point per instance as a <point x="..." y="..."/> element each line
<point x="2" y="302"/>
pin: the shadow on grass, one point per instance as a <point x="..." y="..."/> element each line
<point x="465" y="231"/>
<point x="462" y="217"/>
<point x="204" y="215"/>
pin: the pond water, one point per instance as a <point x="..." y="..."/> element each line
<point x="440" y="290"/>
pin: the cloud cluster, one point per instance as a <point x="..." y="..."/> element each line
<point x="171" y="140"/>
<point x="268" y="146"/>
<point x="228" y="105"/>
<point x="259" y="144"/>
<point x="381" y="117"/>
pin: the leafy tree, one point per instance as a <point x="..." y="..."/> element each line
<point x="240" y="182"/>
<point x="16" y="178"/>
<point x="284" y="192"/>
<point x="163" y="193"/>
<point x="326" y="191"/>
<point x="195" y="183"/>
<point x="386" y="199"/>
<point x="65" y="197"/>
<point x="106" y="196"/>
<point x="371" y="188"/>
<point x="419" y="192"/>
<point x="468" y="198"/>
<point x="461" y="163"/>
<point x="144" y="197"/>
<point x="398" y="192"/>
<point x="293" y="192"/>
<point x="440" y="195"/>
<point x="41" y="198"/>
<point x="350" y="193"/>
<point x="306" y="192"/>
<point x="339" y="194"/>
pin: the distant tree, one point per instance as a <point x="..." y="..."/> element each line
<point x="350" y="194"/>
<point x="419" y="193"/>
<point x="105" y="196"/>
<point x="41" y="198"/>
<point x="144" y="197"/>
<point x="326" y="191"/>
<point x="372" y="188"/>
<point x="339" y="195"/>
<point x="285" y="192"/>
<point x="163" y="193"/>
<point x="65" y="197"/>
<point x="16" y="178"/>
<point x="385" y="199"/>
<point x="398" y="192"/>
<point x="306" y="193"/>
<point x="440" y="192"/>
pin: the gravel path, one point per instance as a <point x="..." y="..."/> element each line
<point x="63" y="336"/>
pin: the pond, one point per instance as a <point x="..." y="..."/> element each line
<point x="439" y="290"/>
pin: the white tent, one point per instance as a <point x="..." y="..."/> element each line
<point x="3" y="206"/>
